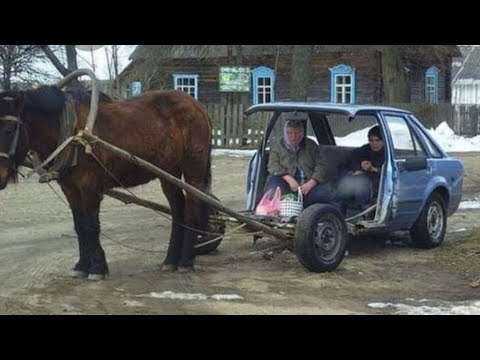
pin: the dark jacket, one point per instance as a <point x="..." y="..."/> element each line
<point x="354" y="162"/>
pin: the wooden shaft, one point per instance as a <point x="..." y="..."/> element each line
<point x="184" y="186"/>
<point x="129" y="199"/>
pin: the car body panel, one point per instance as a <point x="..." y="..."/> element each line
<point x="402" y="193"/>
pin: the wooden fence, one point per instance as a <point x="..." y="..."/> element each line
<point x="233" y="130"/>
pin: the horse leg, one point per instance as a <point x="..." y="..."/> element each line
<point x="196" y="218"/>
<point x="91" y="200"/>
<point x="189" y="240"/>
<point x="176" y="200"/>
<point x="82" y="267"/>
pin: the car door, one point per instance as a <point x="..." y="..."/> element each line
<point x="410" y="171"/>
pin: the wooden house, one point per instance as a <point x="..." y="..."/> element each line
<point x="262" y="73"/>
<point x="466" y="76"/>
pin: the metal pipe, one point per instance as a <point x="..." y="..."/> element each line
<point x="92" y="115"/>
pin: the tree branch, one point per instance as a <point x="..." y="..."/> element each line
<point x="53" y="58"/>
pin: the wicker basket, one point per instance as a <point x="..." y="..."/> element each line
<point x="291" y="208"/>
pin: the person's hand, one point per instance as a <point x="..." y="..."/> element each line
<point x="367" y="166"/>
<point x="309" y="185"/>
<point x="294" y="185"/>
<point x="358" y="172"/>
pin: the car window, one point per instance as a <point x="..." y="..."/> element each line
<point x="351" y="133"/>
<point x="405" y="141"/>
<point x="431" y="146"/>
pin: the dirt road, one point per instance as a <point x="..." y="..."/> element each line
<point x="38" y="248"/>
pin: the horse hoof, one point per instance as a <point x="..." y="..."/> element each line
<point x="168" y="268"/>
<point x="186" y="269"/>
<point x="78" y="274"/>
<point x="96" y="277"/>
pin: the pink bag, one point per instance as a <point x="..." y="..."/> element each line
<point x="270" y="203"/>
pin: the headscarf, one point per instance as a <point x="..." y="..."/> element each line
<point x="288" y="144"/>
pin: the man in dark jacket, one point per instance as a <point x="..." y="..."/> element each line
<point x="360" y="173"/>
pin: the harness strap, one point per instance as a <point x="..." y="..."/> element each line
<point x="64" y="156"/>
<point x="14" y="143"/>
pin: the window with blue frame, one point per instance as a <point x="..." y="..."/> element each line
<point x="136" y="88"/>
<point x="431" y="85"/>
<point x="186" y="83"/>
<point x="342" y="80"/>
<point x="263" y="85"/>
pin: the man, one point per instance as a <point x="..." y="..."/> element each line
<point x="360" y="173"/>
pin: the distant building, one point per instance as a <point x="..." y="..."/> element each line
<point x="350" y="74"/>
<point x="466" y="76"/>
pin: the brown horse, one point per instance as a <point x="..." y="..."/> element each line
<point x="169" y="129"/>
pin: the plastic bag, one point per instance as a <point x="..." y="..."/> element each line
<point x="270" y="203"/>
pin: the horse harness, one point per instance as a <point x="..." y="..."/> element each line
<point x="69" y="156"/>
<point x="14" y="143"/>
<point x="67" y="126"/>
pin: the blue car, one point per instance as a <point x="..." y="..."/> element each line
<point x="420" y="185"/>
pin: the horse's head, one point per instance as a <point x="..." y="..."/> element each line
<point x="13" y="136"/>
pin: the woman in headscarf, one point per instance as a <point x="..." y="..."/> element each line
<point x="295" y="162"/>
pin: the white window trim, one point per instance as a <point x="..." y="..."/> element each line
<point x="189" y="77"/>
<point x="342" y="70"/>
<point x="263" y="72"/>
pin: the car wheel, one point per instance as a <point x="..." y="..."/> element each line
<point x="216" y="228"/>
<point x="429" y="230"/>
<point x="320" y="239"/>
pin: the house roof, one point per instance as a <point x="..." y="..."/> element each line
<point x="214" y="51"/>
<point x="467" y="67"/>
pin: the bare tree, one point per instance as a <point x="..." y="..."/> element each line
<point x="301" y="71"/>
<point x="22" y="63"/>
<point x="147" y="68"/>
<point x="394" y="76"/>
<point x="72" y="65"/>
<point x="395" y="60"/>
<point x="114" y="54"/>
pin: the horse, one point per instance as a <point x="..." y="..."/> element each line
<point x="169" y="129"/>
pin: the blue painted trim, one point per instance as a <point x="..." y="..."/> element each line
<point x="265" y="72"/>
<point x="432" y="72"/>
<point x="342" y="70"/>
<point x="186" y="76"/>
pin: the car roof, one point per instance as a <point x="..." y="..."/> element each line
<point x="349" y="110"/>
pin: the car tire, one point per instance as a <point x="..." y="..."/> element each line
<point x="429" y="230"/>
<point x="320" y="240"/>
<point x="215" y="229"/>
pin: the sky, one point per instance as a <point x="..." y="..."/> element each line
<point x="96" y="59"/>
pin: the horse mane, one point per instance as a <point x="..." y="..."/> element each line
<point x="50" y="99"/>
<point x="84" y="97"/>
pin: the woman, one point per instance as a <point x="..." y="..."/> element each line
<point x="295" y="163"/>
<point x="360" y="173"/>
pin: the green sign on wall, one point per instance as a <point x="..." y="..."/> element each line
<point x="235" y="79"/>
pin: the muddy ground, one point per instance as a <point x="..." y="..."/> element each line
<point x="38" y="248"/>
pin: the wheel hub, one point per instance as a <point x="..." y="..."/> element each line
<point x="435" y="220"/>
